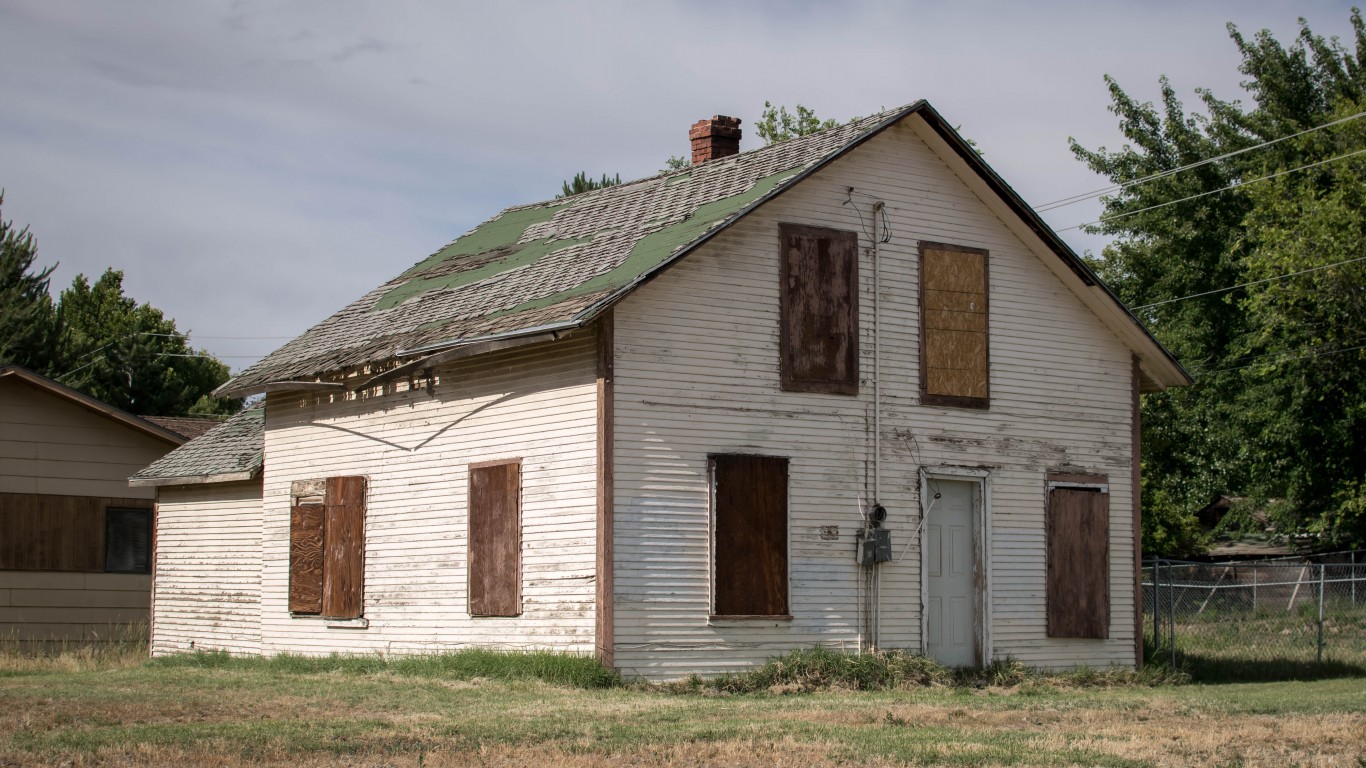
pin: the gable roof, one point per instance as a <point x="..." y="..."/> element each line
<point x="540" y="270"/>
<point x="188" y="427"/>
<point x="234" y="450"/>
<point x="59" y="390"/>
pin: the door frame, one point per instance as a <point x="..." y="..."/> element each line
<point x="981" y="551"/>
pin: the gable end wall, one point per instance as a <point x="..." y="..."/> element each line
<point x="697" y="373"/>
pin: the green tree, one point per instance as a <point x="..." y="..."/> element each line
<point x="777" y="124"/>
<point x="582" y="183"/>
<point x="27" y="320"/>
<point x="131" y="356"/>
<point x="1277" y="413"/>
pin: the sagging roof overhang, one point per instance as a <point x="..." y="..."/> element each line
<point x="1159" y="368"/>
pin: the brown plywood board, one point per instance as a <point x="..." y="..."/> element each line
<point x="495" y="540"/>
<point x="306" y="558"/>
<point x="959" y="270"/>
<point x="344" y="548"/>
<point x="750" y="531"/>
<point x="819" y="332"/>
<point x="1078" y="563"/>
<point x="56" y="533"/>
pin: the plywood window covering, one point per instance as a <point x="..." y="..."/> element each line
<point x="495" y="539"/>
<point x="749" y="535"/>
<point x="1078" y="559"/>
<point x="954" y="350"/>
<point x="819" y="335"/>
<point x="127" y="540"/>
<point x="42" y="532"/>
<point x="326" y="547"/>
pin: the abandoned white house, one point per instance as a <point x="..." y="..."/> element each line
<point x="661" y="422"/>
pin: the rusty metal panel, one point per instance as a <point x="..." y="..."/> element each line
<point x="306" y="558"/>
<point x="750" y="495"/>
<point x="819" y="299"/>
<point x="344" y="548"/>
<point x="1078" y="563"/>
<point x="495" y="539"/>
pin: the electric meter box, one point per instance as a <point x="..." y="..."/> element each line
<point x="875" y="546"/>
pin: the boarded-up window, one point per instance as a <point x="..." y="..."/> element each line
<point x="42" y="532"/>
<point x="749" y="500"/>
<point x="495" y="539"/>
<point x="326" y="547"/>
<point x="127" y="540"/>
<point x="1078" y="560"/>
<point x="819" y="307"/>
<point x="954" y="367"/>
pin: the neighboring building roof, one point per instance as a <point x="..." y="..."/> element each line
<point x="188" y="427"/>
<point x="232" y="451"/>
<point x="145" y="426"/>
<point x="539" y="270"/>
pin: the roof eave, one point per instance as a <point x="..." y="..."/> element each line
<point x="99" y="407"/>
<point x="205" y="479"/>
<point x="1158" y="361"/>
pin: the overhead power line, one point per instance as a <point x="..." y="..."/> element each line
<point x="1234" y="185"/>
<point x="1254" y="282"/>
<point x="1327" y="353"/>
<point x="1163" y="174"/>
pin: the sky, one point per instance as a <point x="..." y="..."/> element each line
<point x="253" y="167"/>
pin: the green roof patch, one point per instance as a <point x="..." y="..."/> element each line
<point x="655" y="248"/>
<point x="517" y="256"/>
<point x="505" y="230"/>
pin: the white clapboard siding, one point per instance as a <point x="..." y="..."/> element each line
<point x="49" y="445"/>
<point x="414" y="446"/>
<point x="697" y="373"/>
<point x="207" y="585"/>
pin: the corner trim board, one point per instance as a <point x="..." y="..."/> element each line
<point x="605" y="616"/>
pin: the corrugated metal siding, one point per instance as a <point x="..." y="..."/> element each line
<point x="208" y="569"/>
<point x="697" y="373"/>
<point x="536" y="403"/>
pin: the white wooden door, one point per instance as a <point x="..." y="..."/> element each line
<point x="950" y="564"/>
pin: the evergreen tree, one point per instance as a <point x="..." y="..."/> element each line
<point x="27" y="321"/>
<point x="581" y="183"/>
<point x="131" y="356"/>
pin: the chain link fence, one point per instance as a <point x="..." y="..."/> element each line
<point x="1261" y="619"/>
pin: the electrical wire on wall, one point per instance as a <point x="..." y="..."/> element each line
<point x="870" y="230"/>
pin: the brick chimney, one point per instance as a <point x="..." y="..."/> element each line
<point x="717" y="137"/>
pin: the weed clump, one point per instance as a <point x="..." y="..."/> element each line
<point x="570" y="670"/>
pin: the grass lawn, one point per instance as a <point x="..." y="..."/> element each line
<point x="219" y="712"/>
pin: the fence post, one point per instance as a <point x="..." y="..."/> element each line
<point x="1254" y="587"/>
<point x="1171" y="614"/>
<point x="1319" y="658"/>
<point x="1354" y="578"/>
<point x="1157" y="608"/>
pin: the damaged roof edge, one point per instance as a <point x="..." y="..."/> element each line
<point x="220" y="477"/>
<point x="1032" y="219"/>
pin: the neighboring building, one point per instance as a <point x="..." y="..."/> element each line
<point x="75" y="540"/>
<point x="654" y="422"/>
